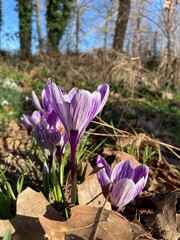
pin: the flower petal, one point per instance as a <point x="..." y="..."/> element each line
<point x="45" y="102"/>
<point x="104" y="173"/>
<point x="103" y="89"/>
<point x="68" y="97"/>
<point x="25" y="119"/>
<point x="122" y="193"/>
<point x="45" y="140"/>
<point x="80" y="111"/>
<point x="122" y="170"/>
<point x="35" y="117"/>
<point x="36" y="102"/>
<point x="139" y="187"/>
<point x="61" y="108"/>
<point x="77" y="108"/>
<point x="140" y="178"/>
<point x="99" y="98"/>
<point x="139" y="172"/>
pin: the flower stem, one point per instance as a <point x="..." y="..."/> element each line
<point x="73" y="174"/>
<point x="73" y="143"/>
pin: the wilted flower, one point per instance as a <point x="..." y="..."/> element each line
<point x="124" y="182"/>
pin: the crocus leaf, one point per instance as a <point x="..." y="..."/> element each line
<point x="7" y="235"/>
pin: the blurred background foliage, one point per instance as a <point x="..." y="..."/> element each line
<point x="132" y="45"/>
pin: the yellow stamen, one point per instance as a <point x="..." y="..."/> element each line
<point x="61" y="128"/>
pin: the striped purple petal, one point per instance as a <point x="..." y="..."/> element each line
<point x="47" y="139"/>
<point x="122" y="170"/>
<point x="61" y="108"/>
<point x="122" y="193"/>
<point x="104" y="171"/>
<point x="103" y="89"/>
<point x="25" y="119"/>
<point x="80" y="111"/>
<point x="140" y="178"/>
<point x="45" y="102"/>
<point x="139" y="172"/>
<point x="77" y="108"/>
<point x="35" y="118"/>
<point x="36" y="102"/>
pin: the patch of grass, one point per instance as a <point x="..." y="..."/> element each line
<point x="9" y="71"/>
<point x="148" y="154"/>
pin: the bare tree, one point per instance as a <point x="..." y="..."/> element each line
<point x="121" y="24"/>
<point x="0" y="21"/>
<point x="77" y="19"/>
<point x="40" y="39"/>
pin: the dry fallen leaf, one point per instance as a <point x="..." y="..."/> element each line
<point x="83" y="223"/>
<point x="166" y="222"/>
<point x="90" y="193"/>
<point x="85" y="167"/>
<point x="25" y="225"/>
<point x="120" y="156"/>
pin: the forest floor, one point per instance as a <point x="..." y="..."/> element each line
<point x="144" y="128"/>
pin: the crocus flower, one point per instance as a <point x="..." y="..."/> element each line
<point x="31" y="121"/>
<point x="48" y="129"/>
<point x="124" y="182"/>
<point x="47" y="138"/>
<point x="76" y="109"/>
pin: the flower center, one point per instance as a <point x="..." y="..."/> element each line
<point x="61" y="129"/>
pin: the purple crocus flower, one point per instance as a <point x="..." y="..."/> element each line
<point x="47" y="138"/>
<point x="31" y="121"/>
<point x="49" y="131"/>
<point x="124" y="182"/>
<point x="76" y="109"/>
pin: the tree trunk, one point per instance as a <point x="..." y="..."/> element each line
<point x="25" y="27"/>
<point x="40" y="39"/>
<point x="77" y="25"/>
<point x="0" y="21"/>
<point x="57" y="17"/>
<point x="121" y="24"/>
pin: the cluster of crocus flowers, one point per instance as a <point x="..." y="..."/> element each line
<point x="48" y="129"/>
<point x="74" y="110"/>
<point x="123" y="183"/>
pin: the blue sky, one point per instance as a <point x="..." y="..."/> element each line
<point x="93" y="16"/>
<point x="9" y="28"/>
<point x="9" y="33"/>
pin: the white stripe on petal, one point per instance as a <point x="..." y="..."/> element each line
<point x="122" y="193"/>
